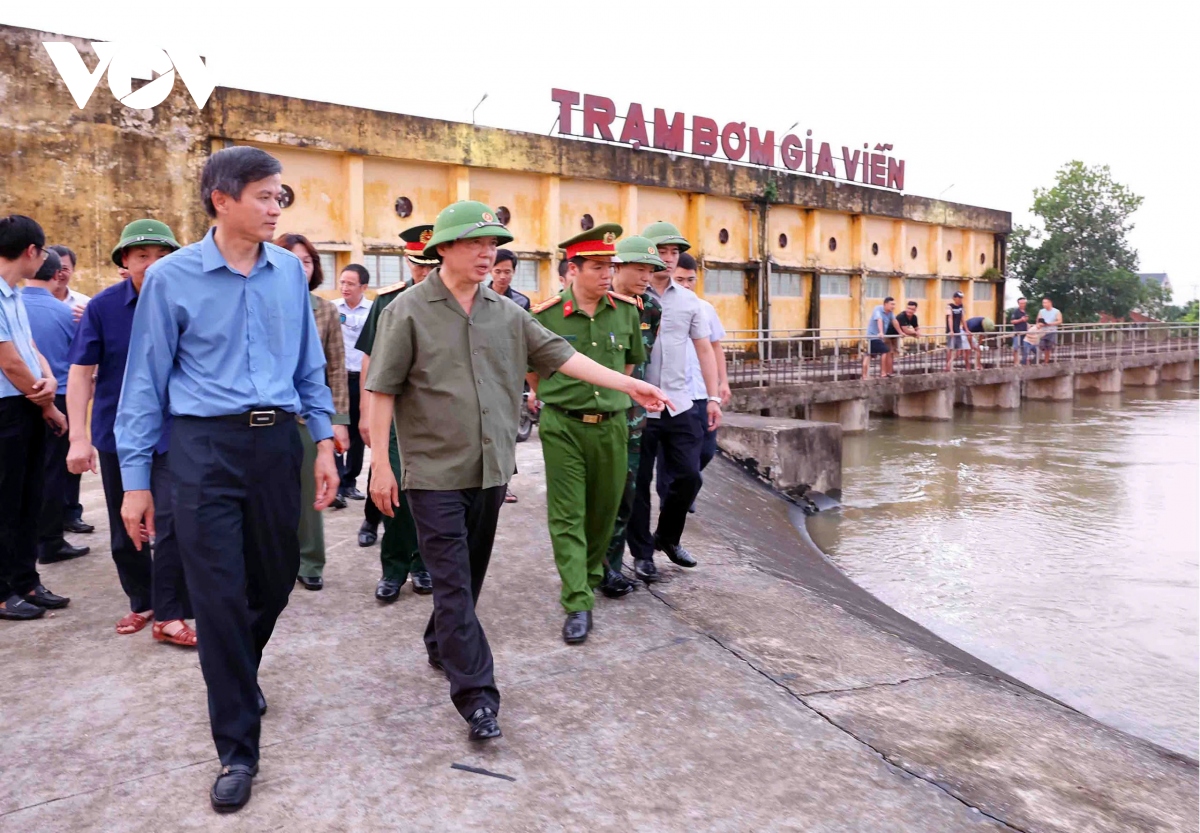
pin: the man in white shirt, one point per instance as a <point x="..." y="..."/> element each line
<point x="1049" y="317"/>
<point x="685" y="276"/>
<point x="352" y="309"/>
<point x="680" y="433"/>
<point x="60" y="287"/>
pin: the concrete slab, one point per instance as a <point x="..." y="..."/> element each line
<point x="1015" y="755"/>
<point x="793" y="455"/>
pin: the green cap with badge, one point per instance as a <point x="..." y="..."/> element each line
<point x="463" y="220"/>
<point x="666" y="234"/>
<point x="639" y="250"/>
<point x="144" y="233"/>
<point x="598" y="241"/>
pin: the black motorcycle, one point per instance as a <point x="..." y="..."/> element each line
<point x="528" y="417"/>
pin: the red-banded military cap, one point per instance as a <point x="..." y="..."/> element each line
<point x="599" y="241"/>
<point x="415" y="239"/>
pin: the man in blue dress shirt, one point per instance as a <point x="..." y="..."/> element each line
<point x="53" y="328"/>
<point x="224" y="333"/>
<point x="26" y="404"/>
<point x="155" y="587"/>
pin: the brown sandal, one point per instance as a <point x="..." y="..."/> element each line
<point x="185" y="636"/>
<point x="133" y="622"/>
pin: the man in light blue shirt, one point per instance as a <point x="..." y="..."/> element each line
<point x="224" y="335"/>
<point x="27" y="388"/>
<point x="883" y="317"/>
<point x="53" y="328"/>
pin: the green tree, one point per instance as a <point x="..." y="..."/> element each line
<point x="1076" y="252"/>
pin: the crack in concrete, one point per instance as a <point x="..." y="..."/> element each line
<point x="885" y="684"/>
<point x="879" y="753"/>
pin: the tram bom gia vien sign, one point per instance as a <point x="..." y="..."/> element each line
<point x="735" y="141"/>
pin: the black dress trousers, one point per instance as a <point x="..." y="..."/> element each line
<point x="55" y="481"/>
<point x="236" y="494"/>
<point x="456" y="530"/>
<point x="22" y="467"/>
<point x="680" y="438"/>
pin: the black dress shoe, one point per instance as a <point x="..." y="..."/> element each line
<point x="676" y="553"/>
<point x="353" y="494"/>
<point x="422" y="583"/>
<point x="644" y="569"/>
<point x="575" y="629"/>
<point x="78" y="527"/>
<point x="368" y="534"/>
<point x="42" y="597"/>
<point x="616" y="585"/>
<point x="388" y="590"/>
<point x="484" y="725"/>
<point x="231" y="790"/>
<point x="311" y="582"/>
<point x="64" y="552"/>
<point x="339" y="502"/>
<point x="260" y="700"/>
<point x="16" y="608"/>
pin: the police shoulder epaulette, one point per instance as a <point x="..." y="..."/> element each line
<point x="396" y="287"/>
<point x="637" y="303"/>
<point x="545" y="305"/>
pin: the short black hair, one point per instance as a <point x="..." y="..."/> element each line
<point x="577" y="260"/>
<point x="686" y="261"/>
<point x="49" y="267"/>
<point x="64" y="252"/>
<point x="562" y="268"/>
<point x="505" y="256"/>
<point x="18" y="233"/>
<point x="231" y="170"/>
<point x="911" y="304"/>
<point x="888" y="298"/>
<point x="1022" y="298"/>
<point x="1047" y="298"/>
<point x="364" y="277"/>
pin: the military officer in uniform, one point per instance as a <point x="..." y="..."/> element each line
<point x="637" y="259"/>
<point x="583" y="430"/>
<point x="399" y="552"/>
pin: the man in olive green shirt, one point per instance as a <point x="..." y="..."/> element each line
<point x="583" y="430"/>
<point x="449" y="366"/>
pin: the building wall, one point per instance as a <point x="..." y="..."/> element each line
<point x="85" y="173"/>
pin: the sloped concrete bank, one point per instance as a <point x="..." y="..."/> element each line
<point x="927" y="707"/>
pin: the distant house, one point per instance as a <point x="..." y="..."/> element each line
<point x="1159" y="278"/>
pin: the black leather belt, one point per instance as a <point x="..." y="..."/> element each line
<point x="590" y="418"/>
<point x="259" y="418"/>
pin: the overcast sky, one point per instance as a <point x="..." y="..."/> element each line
<point x="983" y="101"/>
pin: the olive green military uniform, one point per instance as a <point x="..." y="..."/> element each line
<point x="584" y="436"/>
<point x="398" y="551"/>
<point x="635" y="250"/>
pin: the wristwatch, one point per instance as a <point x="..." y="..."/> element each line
<point x="716" y="399"/>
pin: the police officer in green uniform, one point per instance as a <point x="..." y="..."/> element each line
<point x="583" y="427"/>
<point x="637" y="259"/>
<point x="398" y="553"/>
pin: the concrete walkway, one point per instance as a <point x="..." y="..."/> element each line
<point x="756" y="692"/>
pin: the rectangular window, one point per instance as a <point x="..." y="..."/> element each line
<point x="525" y="278"/>
<point x="984" y="291"/>
<point x="949" y="288"/>
<point x="785" y="285"/>
<point x="329" y="270"/>
<point x="875" y="287"/>
<point x="835" y="286"/>
<point x="724" y="282"/>
<point x="914" y="288"/>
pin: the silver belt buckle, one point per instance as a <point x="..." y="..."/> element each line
<point x="262" y="419"/>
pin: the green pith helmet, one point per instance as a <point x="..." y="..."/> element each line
<point x="415" y="239"/>
<point x="988" y="325"/>
<point x="597" y="241"/>
<point x="639" y="250"/>
<point x="144" y="233"/>
<point x="463" y="220"/>
<point x="665" y="234"/>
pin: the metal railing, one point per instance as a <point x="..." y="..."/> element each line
<point x="788" y="357"/>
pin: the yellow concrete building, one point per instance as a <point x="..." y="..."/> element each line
<point x="777" y="250"/>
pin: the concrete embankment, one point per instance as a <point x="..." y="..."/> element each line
<point x="759" y="691"/>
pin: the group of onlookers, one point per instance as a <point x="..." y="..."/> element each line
<point x="964" y="336"/>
